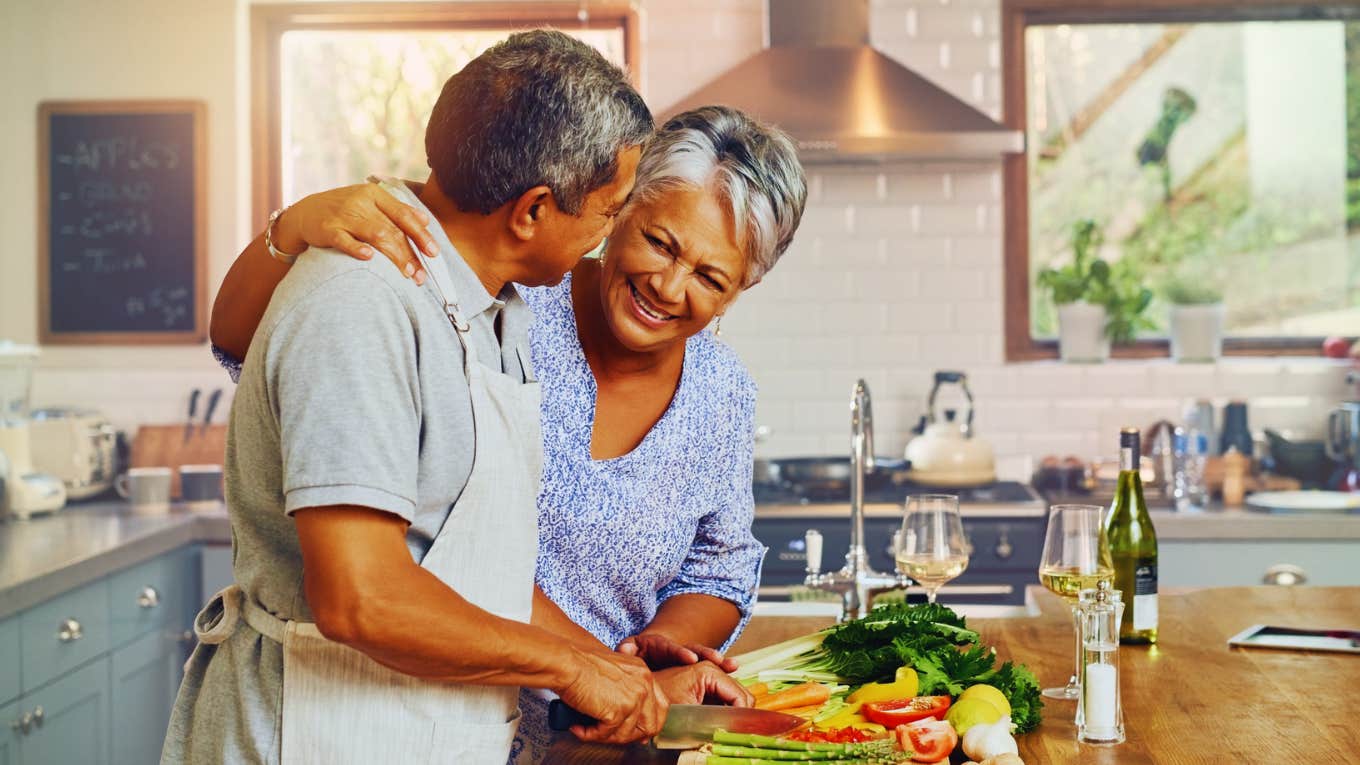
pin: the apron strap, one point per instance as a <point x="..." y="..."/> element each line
<point x="226" y="610"/>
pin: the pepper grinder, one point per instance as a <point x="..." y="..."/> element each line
<point x="1100" y="715"/>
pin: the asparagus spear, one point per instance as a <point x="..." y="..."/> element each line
<point x="884" y="746"/>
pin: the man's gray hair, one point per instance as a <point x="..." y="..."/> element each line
<point x="539" y="108"/>
<point x="754" y="167"/>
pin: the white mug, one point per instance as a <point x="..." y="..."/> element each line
<point x="200" y="486"/>
<point x="147" y="488"/>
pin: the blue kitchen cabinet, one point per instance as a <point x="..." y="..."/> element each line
<point x="145" y="677"/>
<point x="9" y="735"/>
<point x="10" y="662"/>
<point x="71" y="718"/>
<point x="99" y="666"/>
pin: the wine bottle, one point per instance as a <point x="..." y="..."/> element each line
<point x="1133" y="547"/>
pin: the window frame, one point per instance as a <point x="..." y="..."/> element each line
<point x="1016" y="17"/>
<point x="269" y="22"/>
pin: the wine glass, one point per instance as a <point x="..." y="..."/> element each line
<point x="932" y="548"/>
<point x="1076" y="556"/>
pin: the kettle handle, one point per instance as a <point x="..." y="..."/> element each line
<point x="961" y="379"/>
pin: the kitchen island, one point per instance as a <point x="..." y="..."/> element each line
<point x="1189" y="699"/>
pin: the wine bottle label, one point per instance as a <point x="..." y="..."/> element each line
<point x="1145" y="595"/>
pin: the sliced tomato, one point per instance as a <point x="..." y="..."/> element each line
<point x="927" y="740"/>
<point x="901" y="711"/>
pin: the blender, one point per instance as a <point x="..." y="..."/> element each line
<point x="27" y="492"/>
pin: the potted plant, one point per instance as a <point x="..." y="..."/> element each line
<point x="1096" y="303"/>
<point x="1196" y="323"/>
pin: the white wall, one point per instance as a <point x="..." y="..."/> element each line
<point x="896" y="271"/>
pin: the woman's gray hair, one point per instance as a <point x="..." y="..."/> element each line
<point x="754" y="167"/>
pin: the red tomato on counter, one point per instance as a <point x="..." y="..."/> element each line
<point x="901" y="711"/>
<point x="928" y="740"/>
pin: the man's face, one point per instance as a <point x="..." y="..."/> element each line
<point x="562" y="239"/>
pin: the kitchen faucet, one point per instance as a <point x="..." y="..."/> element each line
<point x="856" y="583"/>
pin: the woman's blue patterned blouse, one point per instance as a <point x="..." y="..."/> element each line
<point x="618" y="537"/>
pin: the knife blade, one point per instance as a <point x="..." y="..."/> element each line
<point x="691" y="725"/>
<point x="212" y="407"/>
<point x="193" y="410"/>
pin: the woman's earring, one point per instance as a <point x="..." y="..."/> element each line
<point x="717" y="327"/>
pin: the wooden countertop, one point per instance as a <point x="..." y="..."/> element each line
<point x="1188" y="699"/>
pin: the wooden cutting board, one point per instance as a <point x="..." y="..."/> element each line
<point x="167" y="446"/>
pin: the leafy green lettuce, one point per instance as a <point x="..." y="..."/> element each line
<point x="933" y="640"/>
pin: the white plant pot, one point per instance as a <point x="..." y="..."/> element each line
<point x="1081" y="333"/>
<point x="1196" y="332"/>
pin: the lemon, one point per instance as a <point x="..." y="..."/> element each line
<point x="988" y="693"/>
<point x="966" y="713"/>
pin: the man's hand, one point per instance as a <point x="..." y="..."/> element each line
<point x="660" y="651"/>
<point x="697" y="683"/>
<point x="620" y="693"/>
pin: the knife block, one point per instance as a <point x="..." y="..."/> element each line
<point x="166" y="446"/>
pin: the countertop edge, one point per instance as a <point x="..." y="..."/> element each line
<point x="189" y="529"/>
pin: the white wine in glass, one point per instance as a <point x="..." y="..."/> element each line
<point x="1076" y="557"/>
<point x="932" y="548"/>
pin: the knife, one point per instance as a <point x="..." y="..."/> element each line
<point x="212" y="407"/>
<point x="691" y="725"/>
<point x="193" y="410"/>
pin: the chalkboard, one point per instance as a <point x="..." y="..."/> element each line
<point x="122" y="230"/>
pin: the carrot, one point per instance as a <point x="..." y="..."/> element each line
<point x="758" y="689"/>
<point x="806" y="711"/>
<point x="802" y="695"/>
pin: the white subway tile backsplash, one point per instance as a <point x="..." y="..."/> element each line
<point x="937" y="21"/>
<point x="978" y="316"/>
<point x="977" y="186"/>
<point x="979" y="252"/>
<point x="1013" y="415"/>
<point x="961" y="349"/>
<point x="1245" y="378"/>
<point x="885" y="220"/>
<point x="956" y="219"/>
<point x="954" y="285"/>
<point x="1054" y="381"/>
<point x="1117" y="379"/>
<point x="1187" y="380"/>
<point x="917" y="187"/>
<point x="927" y="317"/>
<point x="852" y="188"/>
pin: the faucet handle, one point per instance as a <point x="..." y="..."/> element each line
<point x="812" y="541"/>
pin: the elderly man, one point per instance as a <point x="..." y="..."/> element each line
<point x="384" y="456"/>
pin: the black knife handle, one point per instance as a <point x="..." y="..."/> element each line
<point x="562" y="717"/>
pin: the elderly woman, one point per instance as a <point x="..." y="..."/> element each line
<point x="645" y="509"/>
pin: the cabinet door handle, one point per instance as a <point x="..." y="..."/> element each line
<point x="38" y="715"/>
<point x="148" y="597"/>
<point x="70" y="631"/>
<point x="24" y="724"/>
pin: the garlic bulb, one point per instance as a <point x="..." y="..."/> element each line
<point x="987" y="740"/>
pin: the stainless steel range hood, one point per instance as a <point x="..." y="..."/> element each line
<point x="843" y="101"/>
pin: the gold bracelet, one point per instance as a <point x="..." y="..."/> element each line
<point x="274" y="252"/>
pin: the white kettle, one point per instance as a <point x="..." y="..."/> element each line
<point x="946" y="453"/>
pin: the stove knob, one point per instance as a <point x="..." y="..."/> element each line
<point x="1004" y="550"/>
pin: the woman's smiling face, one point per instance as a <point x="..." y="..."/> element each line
<point x="670" y="266"/>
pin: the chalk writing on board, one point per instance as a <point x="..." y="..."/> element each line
<point x="118" y="154"/>
<point x="123" y="254"/>
<point x="171" y="305"/>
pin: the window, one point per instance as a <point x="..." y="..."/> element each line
<point x="1214" y="146"/>
<point x="344" y="90"/>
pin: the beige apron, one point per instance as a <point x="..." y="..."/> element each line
<point x="340" y="706"/>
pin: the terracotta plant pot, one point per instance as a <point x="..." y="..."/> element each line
<point x="1081" y="333"/>
<point x="1197" y="332"/>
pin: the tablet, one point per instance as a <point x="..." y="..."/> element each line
<point x="1290" y="638"/>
